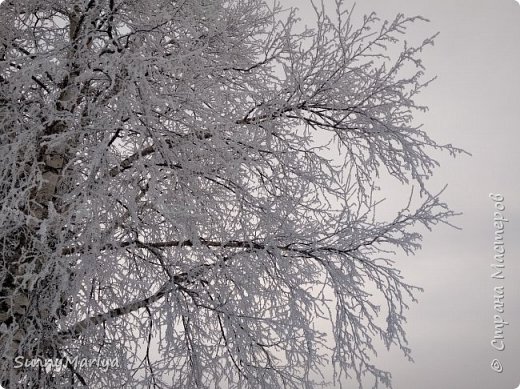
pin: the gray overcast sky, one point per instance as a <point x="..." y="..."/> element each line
<point x="474" y="104"/>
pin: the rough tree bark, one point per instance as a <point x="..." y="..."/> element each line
<point x="31" y="302"/>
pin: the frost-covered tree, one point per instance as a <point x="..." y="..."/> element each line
<point x="190" y="186"/>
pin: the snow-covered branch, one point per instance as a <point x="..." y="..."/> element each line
<point x="203" y="178"/>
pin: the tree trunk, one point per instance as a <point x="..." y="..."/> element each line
<point x="30" y="302"/>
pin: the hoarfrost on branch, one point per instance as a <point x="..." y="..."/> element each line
<point x="190" y="187"/>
